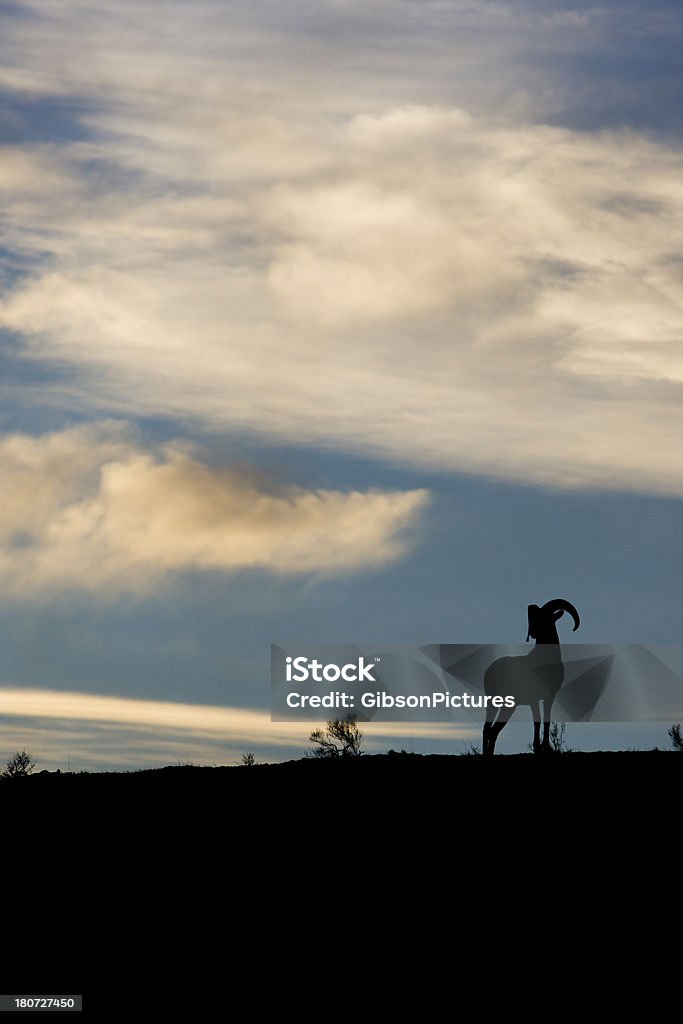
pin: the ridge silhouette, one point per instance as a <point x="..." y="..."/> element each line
<point x="529" y="678"/>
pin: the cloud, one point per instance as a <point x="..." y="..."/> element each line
<point x="87" y="508"/>
<point x="242" y="724"/>
<point x="96" y="732"/>
<point x="25" y="171"/>
<point x="338" y="262"/>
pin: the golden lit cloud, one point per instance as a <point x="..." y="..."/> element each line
<point x="88" y="508"/>
<point x="85" y="730"/>
<point x="241" y="724"/>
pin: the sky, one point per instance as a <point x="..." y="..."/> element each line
<point x="339" y="322"/>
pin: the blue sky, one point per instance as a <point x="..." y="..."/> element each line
<point x="348" y="323"/>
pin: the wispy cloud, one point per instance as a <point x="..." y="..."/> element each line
<point x="346" y="265"/>
<point x="91" y="509"/>
<point x="99" y="732"/>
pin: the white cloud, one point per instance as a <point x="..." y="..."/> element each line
<point x="88" y="508"/>
<point x="313" y="262"/>
<point x="25" y="171"/>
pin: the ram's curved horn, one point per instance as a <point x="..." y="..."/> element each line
<point x="559" y="604"/>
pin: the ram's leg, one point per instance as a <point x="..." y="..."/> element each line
<point x="536" y="714"/>
<point x="488" y="741"/>
<point x="547" y="712"/>
<point x="504" y="716"/>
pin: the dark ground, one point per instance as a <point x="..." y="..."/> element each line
<point x="177" y="882"/>
<point x="407" y="768"/>
<point x="405" y="782"/>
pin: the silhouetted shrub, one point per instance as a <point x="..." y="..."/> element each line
<point x="470" y="750"/>
<point x="19" y="764"/>
<point x="248" y="759"/>
<point x="556" y="737"/>
<point x="676" y="737"/>
<point x="558" y="744"/>
<point x="340" y="738"/>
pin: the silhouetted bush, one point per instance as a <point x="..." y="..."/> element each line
<point x="556" y="736"/>
<point x="340" y="738"/>
<point x="248" y="759"/>
<point x="676" y="737"/>
<point x="470" y="750"/>
<point x="19" y="764"/>
<point x="558" y="744"/>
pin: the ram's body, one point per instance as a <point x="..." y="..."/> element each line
<point x="528" y="678"/>
<point x="531" y="678"/>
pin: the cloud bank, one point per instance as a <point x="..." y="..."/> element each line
<point x="96" y="732"/>
<point x="331" y="260"/>
<point x="88" y="508"/>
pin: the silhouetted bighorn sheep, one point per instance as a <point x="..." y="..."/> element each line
<point x="529" y="678"/>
